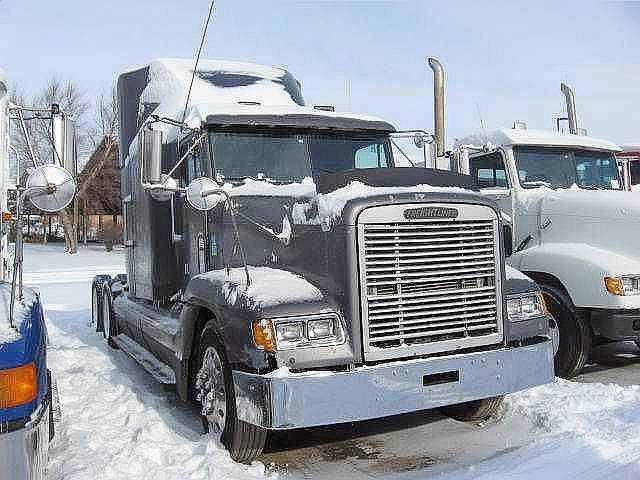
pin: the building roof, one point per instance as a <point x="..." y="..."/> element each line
<point x="511" y="136"/>
<point x="99" y="181"/>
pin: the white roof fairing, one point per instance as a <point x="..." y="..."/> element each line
<point x="511" y="137"/>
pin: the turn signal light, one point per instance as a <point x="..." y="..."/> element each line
<point x="7" y="217"/>
<point x="264" y="335"/>
<point x="18" y="386"/>
<point x="614" y="285"/>
<point x="543" y="303"/>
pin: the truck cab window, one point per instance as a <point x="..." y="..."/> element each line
<point x="488" y="171"/>
<point x="292" y="157"/>
<point x="197" y="164"/>
<point x="371" y="156"/>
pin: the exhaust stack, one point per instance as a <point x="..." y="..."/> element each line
<point x="570" y="100"/>
<point x="438" y="105"/>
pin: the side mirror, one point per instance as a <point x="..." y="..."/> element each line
<point x="204" y="194"/>
<point x="50" y="188"/>
<point x="64" y="141"/>
<point x="150" y="156"/>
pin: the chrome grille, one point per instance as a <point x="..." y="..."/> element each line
<point x="428" y="285"/>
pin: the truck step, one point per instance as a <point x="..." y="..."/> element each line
<point x="159" y="370"/>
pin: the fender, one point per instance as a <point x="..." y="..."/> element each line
<point x="581" y="269"/>
<point x="225" y="301"/>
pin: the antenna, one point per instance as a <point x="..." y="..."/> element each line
<point x="483" y="126"/>
<point x="195" y="67"/>
<point x="347" y="91"/>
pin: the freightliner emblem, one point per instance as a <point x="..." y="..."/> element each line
<point x="430" y="212"/>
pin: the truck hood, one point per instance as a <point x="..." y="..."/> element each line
<point x="608" y="219"/>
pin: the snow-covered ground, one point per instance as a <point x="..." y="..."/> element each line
<point x="120" y="424"/>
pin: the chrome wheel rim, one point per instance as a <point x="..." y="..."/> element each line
<point x="554" y="332"/>
<point x="106" y="320"/>
<point x="212" y="393"/>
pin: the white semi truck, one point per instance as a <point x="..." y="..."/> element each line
<point x="574" y="227"/>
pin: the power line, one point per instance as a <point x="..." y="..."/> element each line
<point x="195" y="67"/>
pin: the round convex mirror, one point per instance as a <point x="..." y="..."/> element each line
<point x="50" y="188"/>
<point x="197" y="195"/>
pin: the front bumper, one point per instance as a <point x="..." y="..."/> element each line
<point x="297" y="400"/>
<point x="616" y="324"/>
<point x="23" y="452"/>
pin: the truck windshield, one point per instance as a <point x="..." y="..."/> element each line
<point x="563" y="168"/>
<point x="292" y="157"/>
<point x="634" y="170"/>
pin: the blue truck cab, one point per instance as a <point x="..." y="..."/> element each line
<point x="26" y="388"/>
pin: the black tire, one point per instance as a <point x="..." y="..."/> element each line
<point x="244" y="441"/>
<point x="96" y="300"/>
<point x="110" y="329"/>
<point x="575" y="333"/>
<point x="475" y="411"/>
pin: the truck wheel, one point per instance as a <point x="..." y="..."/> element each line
<point x="574" y="333"/>
<point x="214" y="391"/>
<point x="476" y="411"/>
<point x="108" y="324"/>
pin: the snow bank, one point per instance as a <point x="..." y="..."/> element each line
<point x="585" y="431"/>
<point x="269" y="287"/>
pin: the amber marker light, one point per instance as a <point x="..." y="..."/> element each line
<point x="264" y="335"/>
<point x="543" y="303"/>
<point x="18" y="386"/>
<point x="614" y="285"/>
<point x="7" y="217"/>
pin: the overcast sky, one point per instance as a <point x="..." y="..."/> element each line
<point x="504" y="61"/>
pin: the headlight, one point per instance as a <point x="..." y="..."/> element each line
<point x="525" y="306"/>
<point x="296" y="332"/>
<point x="624" y="285"/>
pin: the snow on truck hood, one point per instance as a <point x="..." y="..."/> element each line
<point x="604" y="205"/>
<point x="269" y="287"/>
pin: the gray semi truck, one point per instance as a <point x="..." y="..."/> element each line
<point x="283" y="273"/>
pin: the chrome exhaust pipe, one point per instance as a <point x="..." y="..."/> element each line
<point x="438" y="105"/>
<point x="570" y="100"/>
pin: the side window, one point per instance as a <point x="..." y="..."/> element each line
<point x="488" y="171"/>
<point x="197" y="162"/>
<point x="371" y="156"/>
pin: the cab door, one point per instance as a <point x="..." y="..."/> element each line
<point x="489" y="172"/>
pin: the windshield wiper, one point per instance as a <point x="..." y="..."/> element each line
<point x="593" y="187"/>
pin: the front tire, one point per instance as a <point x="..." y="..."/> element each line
<point x="575" y="335"/>
<point x="475" y="411"/>
<point x="214" y="392"/>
